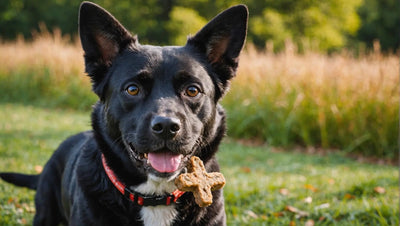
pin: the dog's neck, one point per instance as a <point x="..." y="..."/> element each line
<point x="156" y="209"/>
<point x="140" y="198"/>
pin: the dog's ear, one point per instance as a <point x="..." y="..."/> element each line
<point x="221" y="40"/>
<point x="102" y="38"/>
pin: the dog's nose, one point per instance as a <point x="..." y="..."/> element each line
<point x="165" y="127"/>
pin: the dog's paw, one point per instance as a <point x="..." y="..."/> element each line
<point x="199" y="182"/>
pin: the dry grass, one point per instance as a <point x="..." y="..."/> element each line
<point x="48" y="50"/>
<point x="48" y="71"/>
<point x="336" y="101"/>
<point x="371" y="76"/>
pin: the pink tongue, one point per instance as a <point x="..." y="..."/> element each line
<point x="164" y="162"/>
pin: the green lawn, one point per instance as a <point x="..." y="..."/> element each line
<point x="264" y="187"/>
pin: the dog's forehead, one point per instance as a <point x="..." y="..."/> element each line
<point x="161" y="60"/>
<point x="171" y="57"/>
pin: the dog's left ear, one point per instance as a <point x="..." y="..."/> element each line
<point x="102" y="38"/>
<point x="221" y="40"/>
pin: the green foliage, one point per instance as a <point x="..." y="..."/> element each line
<point x="270" y="26"/>
<point x="318" y="25"/>
<point x="263" y="184"/>
<point x="183" y="22"/>
<point x="25" y="16"/>
<point x="381" y="21"/>
<point x="322" y="25"/>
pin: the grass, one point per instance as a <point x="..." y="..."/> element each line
<point x="336" y="102"/>
<point x="47" y="72"/>
<point x="264" y="186"/>
<point x="28" y="136"/>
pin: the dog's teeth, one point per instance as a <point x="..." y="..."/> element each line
<point x="145" y="155"/>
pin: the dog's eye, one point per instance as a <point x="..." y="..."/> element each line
<point x="132" y="90"/>
<point x="192" y="91"/>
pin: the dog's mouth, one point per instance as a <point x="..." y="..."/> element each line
<point x="162" y="163"/>
<point x="165" y="162"/>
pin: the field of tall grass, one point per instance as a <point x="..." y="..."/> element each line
<point x="336" y="101"/>
<point x="328" y="101"/>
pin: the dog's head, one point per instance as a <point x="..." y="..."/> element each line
<point x="161" y="103"/>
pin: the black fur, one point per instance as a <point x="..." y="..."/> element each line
<point x="73" y="187"/>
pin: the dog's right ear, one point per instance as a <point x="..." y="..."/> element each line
<point x="102" y="38"/>
<point x="221" y="41"/>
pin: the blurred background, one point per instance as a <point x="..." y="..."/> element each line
<point x="318" y="25"/>
<point x="320" y="75"/>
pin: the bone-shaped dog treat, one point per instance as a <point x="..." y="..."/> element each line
<point x="199" y="182"/>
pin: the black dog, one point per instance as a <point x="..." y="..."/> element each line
<point x="158" y="107"/>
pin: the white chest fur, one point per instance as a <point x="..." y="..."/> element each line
<point x="157" y="215"/>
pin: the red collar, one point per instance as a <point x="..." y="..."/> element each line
<point x="136" y="197"/>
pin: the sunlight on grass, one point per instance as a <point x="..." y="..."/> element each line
<point x="264" y="186"/>
<point x="28" y="136"/>
<point x="336" y="101"/>
<point x="29" y="133"/>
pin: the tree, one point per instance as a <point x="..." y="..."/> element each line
<point x="183" y="22"/>
<point x="25" y="16"/>
<point x="380" y="21"/>
<point x="310" y="24"/>
<point x="322" y="24"/>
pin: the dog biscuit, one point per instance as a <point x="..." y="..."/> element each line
<point x="199" y="182"/>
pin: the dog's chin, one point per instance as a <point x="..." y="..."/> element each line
<point x="150" y="165"/>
